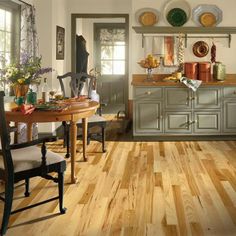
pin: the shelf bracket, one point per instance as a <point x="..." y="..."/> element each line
<point x="142" y="40"/>
<point x="186" y="41"/>
<point x="229" y="42"/>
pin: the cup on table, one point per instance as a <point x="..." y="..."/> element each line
<point x="32" y="97"/>
<point x="19" y="100"/>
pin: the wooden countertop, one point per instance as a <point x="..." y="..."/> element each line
<point x="140" y="80"/>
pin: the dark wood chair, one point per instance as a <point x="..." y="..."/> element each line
<point x="22" y="162"/>
<point x="76" y="82"/>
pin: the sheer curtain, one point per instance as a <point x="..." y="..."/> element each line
<point x="29" y="47"/>
<point x="28" y="37"/>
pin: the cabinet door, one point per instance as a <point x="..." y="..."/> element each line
<point x="177" y="98"/>
<point x="206" y="122"/>
<point x="229" y="92"/>
<point x="178" y="122"/>
<point x="230" y="116"/>
<point x="207" y="98"/>
<point x="147" y="117"/>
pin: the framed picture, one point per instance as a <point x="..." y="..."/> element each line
<point x="60" y="43"/>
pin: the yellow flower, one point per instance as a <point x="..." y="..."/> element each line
<point x="21" y="81"/>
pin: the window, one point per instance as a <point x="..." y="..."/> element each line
<point x="112" y="51"/>
<point x="9" y="32"/>
<point x="5" y="36"/>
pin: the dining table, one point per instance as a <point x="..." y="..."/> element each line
<point x="71" y="114"/>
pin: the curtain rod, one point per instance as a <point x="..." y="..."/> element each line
<point x="28" y="4"/>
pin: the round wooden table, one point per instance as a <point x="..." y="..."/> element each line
<point x="72" y="115"/>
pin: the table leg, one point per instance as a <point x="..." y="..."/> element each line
<point x="73" y="139"/>
<point x="85" y="132"/>
<point x="29" y="131"/>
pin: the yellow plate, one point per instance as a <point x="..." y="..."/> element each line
<point x="148" y="18"/>
<point x="207" y="19"/>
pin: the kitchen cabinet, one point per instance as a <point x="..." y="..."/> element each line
<point x="229" y="109"/>
<point x="167" y="110"/>
<point x="148" y="117"/>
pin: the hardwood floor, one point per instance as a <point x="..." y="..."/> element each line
<point x="139" y="188"/>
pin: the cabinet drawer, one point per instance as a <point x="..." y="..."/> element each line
<point x="229" y="92"/>
<point x="207" y="98"/>
<point x="148" y="93"/>
<point x="207" y="122"/>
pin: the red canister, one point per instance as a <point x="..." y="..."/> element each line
<point x="204" y="71"/>
<point x="191" y="70"/>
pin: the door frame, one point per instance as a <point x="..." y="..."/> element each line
<point x="73" y="45"/>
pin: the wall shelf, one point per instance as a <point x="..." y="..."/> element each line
<point x="208" y="31"/>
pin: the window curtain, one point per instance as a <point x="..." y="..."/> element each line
<point x="28" y="37"/>
<point x="29" y="47"/>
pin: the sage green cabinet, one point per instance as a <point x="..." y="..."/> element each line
<point x="178" y="122"/>
<point x="230" y="116"/>
<point x="206" y="122"/>
<point x="178" y="111"/>
<point x="148" y="117"/>
<point x="148" y="93"/>
<point x="229" y="92"/>
<point x="207" y="98"/>
<point x="178" y="98"/>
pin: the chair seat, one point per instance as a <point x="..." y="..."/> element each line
<point x="30" y="158"/>
<point x="94" y="119"/>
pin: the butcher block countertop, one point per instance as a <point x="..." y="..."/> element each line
<point x="140" y="80"/>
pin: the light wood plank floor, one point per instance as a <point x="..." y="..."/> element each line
<point x="139" y="188"/>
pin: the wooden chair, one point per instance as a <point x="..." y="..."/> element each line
<point x="76" y="83"/>
<point x="22" y="162"/>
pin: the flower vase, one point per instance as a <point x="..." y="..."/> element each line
<point x="20" y="90"/>
<point x="149" y="74"/>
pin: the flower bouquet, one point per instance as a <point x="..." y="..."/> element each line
<point x="149" y="63"/>
<point x="23" y="73"/>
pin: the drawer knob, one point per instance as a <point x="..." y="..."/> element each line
<point x="148" y="92"/>
<point x="234" y="92"/>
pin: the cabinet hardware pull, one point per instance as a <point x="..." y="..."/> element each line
<point x="191" y="98"/>
<point x="234" y="92"/>
<point x="148" y="92"/>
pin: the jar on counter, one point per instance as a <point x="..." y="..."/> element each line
<point x="219" y="71"/>
<point x="204" y="71"/>
<point x="191" y="70"/>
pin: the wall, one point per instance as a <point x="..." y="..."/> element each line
<point x="49" y="14"/>
<point x="224" y="53"/>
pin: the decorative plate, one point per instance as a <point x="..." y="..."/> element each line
<point x="177" y="12"/>
<point x="176" y="17"/>
<point x="147" y="16"/>
<point x="207" y="15"/>
<point x="207" y="19"/>
<point x="200" y="49"/>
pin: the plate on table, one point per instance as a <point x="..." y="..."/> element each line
<point x="81" y="101"/>
<point x="147" y="16"/>
<point x="177" y="12"/>
<point x="207" y="15"/>
<point x="49" y="107"/>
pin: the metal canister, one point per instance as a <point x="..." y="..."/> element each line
<point x="204" y="71"/>
<point x="219" y="71"/>
<point x="191" y="70"/>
